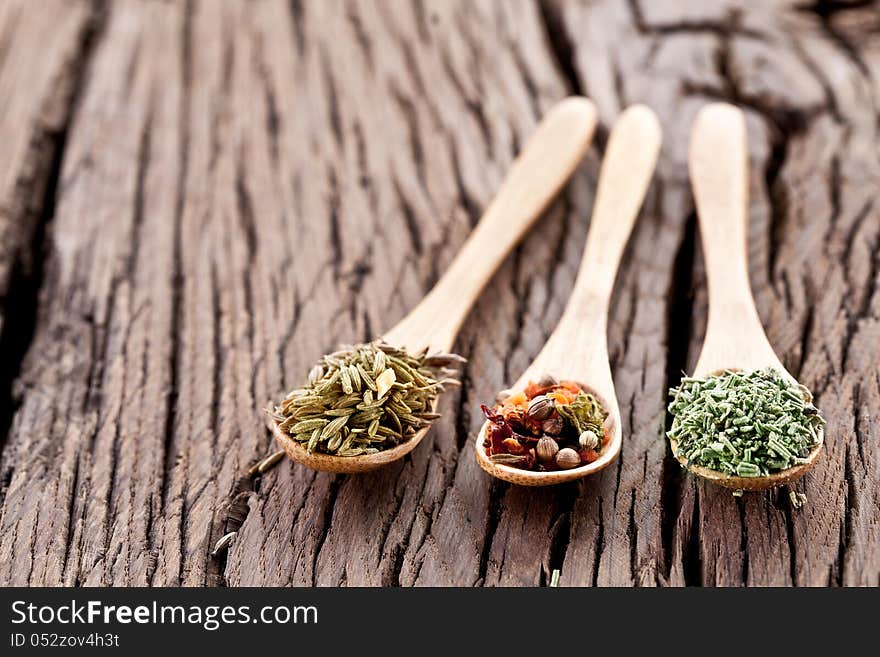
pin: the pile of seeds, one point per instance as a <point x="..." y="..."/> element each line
<point x="550" y="425"/>
<point x="747" y="424"/>
<point x="365" y="398"/>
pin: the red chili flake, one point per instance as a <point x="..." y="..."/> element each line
<point x="493" y="416"/>
<point x="533" y="390"/>
<point x="513" y="446"/>
<point x="520" y="422"/>
<point x="497" y="435"/>
<point x="588" y="455"/>
<point x="497" y="431"/>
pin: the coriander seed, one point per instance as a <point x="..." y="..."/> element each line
<point x="547" y="449"/>
<point x="568" y="458"/>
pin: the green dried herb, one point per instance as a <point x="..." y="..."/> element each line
<point x="747" y="424"/>
<point x="585" y="413"/>
<point x="365" y="398"/>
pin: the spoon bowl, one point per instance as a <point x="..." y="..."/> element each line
<point x="735" y="338"/>
<point x="578" y="349"/>
<point x="550" y="156"/>
<point x="345" y="464"/>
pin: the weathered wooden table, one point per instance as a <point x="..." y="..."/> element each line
<point x="199" y="199"/>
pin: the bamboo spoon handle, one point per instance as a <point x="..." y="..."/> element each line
<point x="539" y="171"/>
<point x="718" y="163"/>
<point x="578" y="347"/>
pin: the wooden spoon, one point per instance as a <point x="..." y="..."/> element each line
<point x="735" y="339"/>
<point x="549" y="158"/>
<point x="578" y="350"/>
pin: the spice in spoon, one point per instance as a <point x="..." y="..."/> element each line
<point x="744" y="423"/>
<point x="548" y="426"/>
<point x="365" y="399"/>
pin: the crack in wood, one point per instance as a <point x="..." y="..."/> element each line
<point x="362" y="37"/>
<point x="409" y="114"/>
<point x="560" y="45"/>
<point x="473" y="107"/>
<point x="297" y="21"/>
<point x="560" y="532"/>
<point x="497" y="491"/>
<point x="678" y="338"/>
<point x="778" y="197"/>
<point x="722" y="28"/>
<point x="332" y="99"/>
<point x="409" y="218"/>
<point x="170" y="455"/>
<point x="825" y="11"/>
<point x="273" y="118"/>
<point x="600" y="544"/>
<point x="336" y="482"/>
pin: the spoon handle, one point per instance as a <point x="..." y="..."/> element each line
<point x="718" y="163"/>
<point x="549" y="158"/>
<point x="578" y="347"/>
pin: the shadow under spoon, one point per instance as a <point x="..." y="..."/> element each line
<point x="578" y="349"/>
<point x="550" y="156"/>
<point x="735" y="339"/>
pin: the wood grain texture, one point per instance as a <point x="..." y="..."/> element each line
<point x="241" y="186"/>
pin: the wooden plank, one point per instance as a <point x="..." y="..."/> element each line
<point x="245" y="185"/>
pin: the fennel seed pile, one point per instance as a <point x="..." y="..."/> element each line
<point x="365" y="398"/>
<point x="747" y="424"/>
